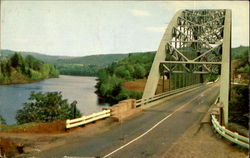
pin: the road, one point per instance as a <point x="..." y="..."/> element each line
<point x="148" y="134"/>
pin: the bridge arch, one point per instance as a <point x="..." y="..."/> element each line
<point x="196" y="43"/>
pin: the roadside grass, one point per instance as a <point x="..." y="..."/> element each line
<point x="6" y="128"/>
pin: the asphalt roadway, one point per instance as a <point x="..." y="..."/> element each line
<point x="148" y="134"/>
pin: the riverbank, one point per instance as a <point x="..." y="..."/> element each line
<point x="130" y="89"/>
<point x="23" y="81"/>
<point x="16" y="77"/>
<point x="18" y="70"/>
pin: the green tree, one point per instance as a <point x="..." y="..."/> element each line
<point x="102" y="74"/>
<point x="130" y="68"/>
<point x="53" y="71"/>
<point x="8" y="68"/>
<point x="17" y="62"/>
<point x="122" y="72"/>
<point x="46" y="107"/>
<point x="34" y="63"/>
<point x="140" y="71"/>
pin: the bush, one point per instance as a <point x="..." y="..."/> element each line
<point x="46" y="107"/>
<point x="243" y="69"/>
<point x="212" y="78"/>
<point x="238" y="106"/>
<point x="126" y="94"/>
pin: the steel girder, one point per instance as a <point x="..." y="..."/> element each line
<point x="204" y="33"/>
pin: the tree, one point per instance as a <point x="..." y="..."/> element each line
<point x="46" y="107"/>
<point x="17" y="61"/>
<point x="140" y="72"/>
<point x="8" y="68"/>
<point x="122" y="72"/>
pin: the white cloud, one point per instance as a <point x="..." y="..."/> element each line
<point x="156" y="29"/>
<point x="137" y="12"/>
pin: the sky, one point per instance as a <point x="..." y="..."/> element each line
<point x="80" y="28"/>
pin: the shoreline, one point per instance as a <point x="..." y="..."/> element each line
<point x="24" y="81"/>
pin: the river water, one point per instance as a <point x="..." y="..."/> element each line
<point x="81" y="89"/>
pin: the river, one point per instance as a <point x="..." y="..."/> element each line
<point x="81" y="89"/>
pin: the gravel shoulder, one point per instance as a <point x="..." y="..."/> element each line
<point x="201" y="141"/>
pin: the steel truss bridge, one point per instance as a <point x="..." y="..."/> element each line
<point x="196" y="43"/>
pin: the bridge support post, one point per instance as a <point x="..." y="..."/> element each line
<point x="226" y="66"/>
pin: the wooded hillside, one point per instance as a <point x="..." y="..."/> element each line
<point x="17" y="69"/>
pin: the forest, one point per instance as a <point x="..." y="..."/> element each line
<point x="17" y="69"/>
<point x="135" y="66"/>
<point x="78" y="69"/>
<point x="240" y="61"/>
<point x="68" y="65"/>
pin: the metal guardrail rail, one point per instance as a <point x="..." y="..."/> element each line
<point x="162" y="95"/>
<point x="87" y="119"/>
<point x="232" y="136"/>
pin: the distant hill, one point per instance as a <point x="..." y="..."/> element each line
<point x="46" y="58"/>
<point x="104" y="59"/>
<point x="238" y="52"/>
<point x="100" y="60"/>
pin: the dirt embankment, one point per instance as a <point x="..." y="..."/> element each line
<point x="51" y="128"/>
<point x="8" y="148"/>
<point x="139" y="85"/>
<point x="35" y="138"/>
<point x="13" y="140"/>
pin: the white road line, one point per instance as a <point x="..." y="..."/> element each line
<point x="157" y="124"/>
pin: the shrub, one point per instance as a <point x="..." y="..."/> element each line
<point x="126" y="94"/>
<point x="238" y="106"/>
<point x="46" y="107"/>
<point x="212" y="78"/>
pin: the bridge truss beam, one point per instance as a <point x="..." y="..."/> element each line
<point x="196" y="42"/>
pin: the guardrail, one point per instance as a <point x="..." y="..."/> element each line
<point x="70" y="123"/>
<point x="87" y="119"/>
<point x="162" y="95"/>
<point x="232" y="136"/>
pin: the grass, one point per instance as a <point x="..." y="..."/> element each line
<point x="5" y="128"/>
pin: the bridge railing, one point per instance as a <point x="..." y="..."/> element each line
<point x="87" y="119"/>
<point x="162" y="95"/>
<point x="70" y="123"/>
<point x="230" y="135"/>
